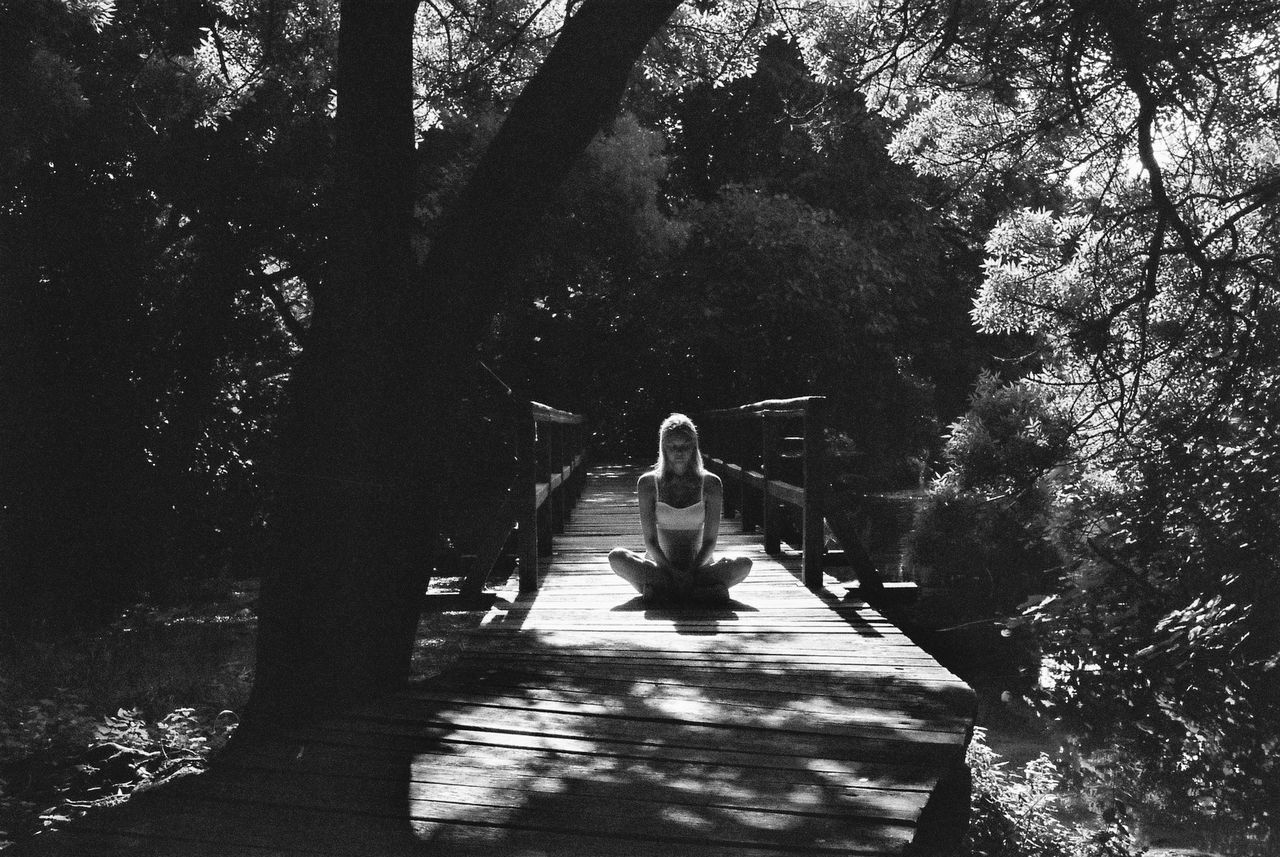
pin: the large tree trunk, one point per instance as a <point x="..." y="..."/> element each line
<point x="337" y="616"/>
<point x="341" y="599"/>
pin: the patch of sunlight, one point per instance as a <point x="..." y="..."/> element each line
<point x="805" y="797"/>
<point x="601" y="768"/>
<point x="686" y="784"/>
<point x="685" y="816"/>
<point x="836" y="773"/>
<point x="642" y="689"/>
<point x="772" y="821"/>
<point x="690" y="709"/>
<point x="740" y="792"/>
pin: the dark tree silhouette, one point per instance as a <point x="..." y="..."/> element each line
<point x="390" y="345"/>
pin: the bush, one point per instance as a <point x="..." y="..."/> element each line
<point x="1164" y="633"/>
<point x="981" y="530"/>
<point x="1024" y="813"/>
<point x="87" y="719"/>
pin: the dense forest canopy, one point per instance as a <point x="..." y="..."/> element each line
<point x="1052" y="226"/>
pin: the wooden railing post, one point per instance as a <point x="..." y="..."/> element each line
<point x="720" y="436"/>
<point x="769" y="512"/>
<point x="750" y="508"/>
<point x="526" y="499"/>
<point x="580" y="436"/>
<point x="815" y="490"/>
<point x="546" y="510"/>
<point x="546" y="440"/>
<point x="570" y="450"/>
<point x="556" y="460"/>
<point x="732" y="491"/>
<point x="472" y="583"/>
<point x="769" y="483"/>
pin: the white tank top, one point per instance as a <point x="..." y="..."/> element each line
<point x="680" y="529"/>
<point x="681" y="517"/>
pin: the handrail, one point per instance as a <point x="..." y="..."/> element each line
<point x="761" y="490"/>
<point x="550" y="454"/>
<point x="547" y="414"/>
<point x="551" y="449"/>
<point x="772" y="407"/>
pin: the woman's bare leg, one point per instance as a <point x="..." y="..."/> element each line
<point x="727" y="570"/>
<point x="714" y="579"/>
<point x="640" y="571"/>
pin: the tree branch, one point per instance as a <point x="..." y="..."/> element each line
<point x="575" y="91"/>
<point x="1124" y="26"/>
<point x="269" y="284"/>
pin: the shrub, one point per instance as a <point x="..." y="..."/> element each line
<point x="1023" y="813"/>
<point x="981" y="530"/>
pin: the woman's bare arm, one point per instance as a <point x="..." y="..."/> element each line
<point x="713" y="495"/>
<point x="647" y="489"/>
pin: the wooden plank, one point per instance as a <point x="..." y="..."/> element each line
<point x="641" y="730"/>
<point x="456" y="817"/>
<point x="946" y="709"/>
<point x="571" y="750"/>
<point x="776" y="709"/>
<point x="831" y="664"/>
<point x="575" y="630"/>
<point x="335" y="751"/>
<point x="535" y="770"/>
<point x="436" y="780"/>
<point x="774" y="407"/>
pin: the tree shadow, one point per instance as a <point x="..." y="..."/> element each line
<point x="640" y="743"/>
<point x="652" y="752"/>
<point x="693" y="731"/>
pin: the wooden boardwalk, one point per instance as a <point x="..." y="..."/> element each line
<point x="577" y="721"/>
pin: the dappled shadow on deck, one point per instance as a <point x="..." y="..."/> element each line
<point x="582" y="721"/>
<point x="636" y="754"/>
<point x="536" y="755"/>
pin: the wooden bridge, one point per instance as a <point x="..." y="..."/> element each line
<point x="578" y="720"/>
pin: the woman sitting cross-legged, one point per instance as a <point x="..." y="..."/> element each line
<point x="680" y="518"/>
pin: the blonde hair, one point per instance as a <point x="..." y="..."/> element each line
<point x="682" y="424"/>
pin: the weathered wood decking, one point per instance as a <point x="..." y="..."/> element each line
<point x="579" y="722"/>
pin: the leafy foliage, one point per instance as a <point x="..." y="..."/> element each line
<point x="148" y="236"/>
<point x="1102" y="177"/>
<point x="1172" y="593"/>
<point x="982" y="529"/>
<point x="1131" y="223"/>
<point x="78" y="762"/>
<point x="1023" y="814"/>
<point x="87" y="719"/>
<point x="740" y="255"/>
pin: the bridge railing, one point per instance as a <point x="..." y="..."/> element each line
<point x="550" y="470"/>
<point x="772" y="454"/>
<point x="551" y="455"/>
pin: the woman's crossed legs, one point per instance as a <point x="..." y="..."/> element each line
<point x="709" y="581"/>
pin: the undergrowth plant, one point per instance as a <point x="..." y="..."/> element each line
<point x="88" y="719"/>
<point x="1027" y="812"/>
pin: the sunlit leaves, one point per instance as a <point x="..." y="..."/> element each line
<point x="476" y="55"/>
<point x="1119" y="160"/>
<point x="1038" y="267"/>
<point x="252" y="47"/>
